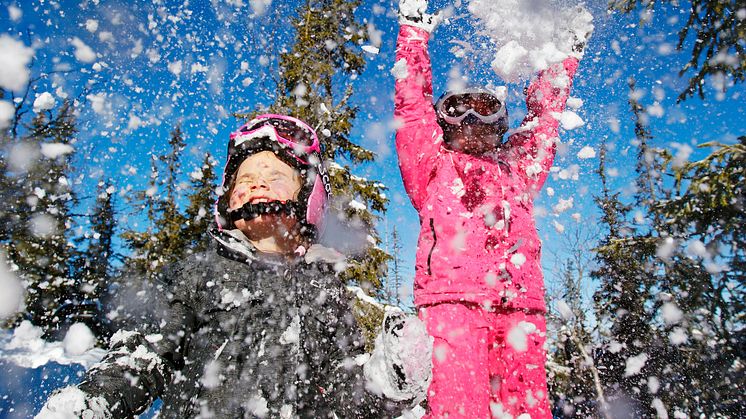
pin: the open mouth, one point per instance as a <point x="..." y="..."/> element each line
<point x="260" y="199"/>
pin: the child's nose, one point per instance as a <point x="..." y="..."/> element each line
<point x="259" y="184"/>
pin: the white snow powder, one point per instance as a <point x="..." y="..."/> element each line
<point x="370" y="49"/>
<point x="518" y="260"/>
<point x="635" y="364"/>
<point x="530" y="35"/>
<point x="44" y="102"/>
<point x="587" y="152"/>
<point x="175" y="67"/>
<point x="15" y="57"/>
<point x="400" y="71"/>
<point x="559" y="228"/>
<point x="7" y="113"/>
<point x="78" y="340"/>
<point x="83" y="52"/>
<point x="574" y="103"/>
<point x="564" y="310"/>
<point x="98" y="102"/>
<point x="15" y="13"/>
<point x="671" y="313"/>
<point x="91" y="25"/>
<point x="518" y="335"/>
<point x="570" y="120"/>
<point x="27" y="349"/>
<point x="11" y="291"/>
<point x="563" y="205"/>
<point x="55" y="150"/>
<point x="357" y="205"/>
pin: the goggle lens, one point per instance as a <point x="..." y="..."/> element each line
<point x="484" y="104"/>
<point x="288" y="130"/>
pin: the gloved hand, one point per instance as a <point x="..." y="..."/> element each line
<point x="401" y="364"/>
<point x="580" y="30"/>
<point x="413" y="13"/>
<point x="71" y="402"/>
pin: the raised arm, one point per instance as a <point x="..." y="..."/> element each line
<point x="533" y="146"/>
<point x="419" y="137"/>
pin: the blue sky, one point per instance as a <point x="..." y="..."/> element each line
<point x="226" y="54"/>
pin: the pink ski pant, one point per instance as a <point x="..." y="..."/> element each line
<point x="486" y="364"/>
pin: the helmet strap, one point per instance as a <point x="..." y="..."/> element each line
<point x="250" y="211"/>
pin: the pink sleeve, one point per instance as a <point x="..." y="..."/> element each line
<point x="533" y="146"/>
<point x="419" y="137"/>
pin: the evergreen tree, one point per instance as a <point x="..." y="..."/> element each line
<point x="718" y="34"/>
<point x="626" y="286"/>
<point x="326" y="47"/>
<point x="199" y="212"/>
<point x="96" y="264"/>
<point x="38" y="237"/>
<point x="163" y="241"/>
<point x="395" y="276"/>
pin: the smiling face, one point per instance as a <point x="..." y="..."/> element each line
<point x="262" y="177"/>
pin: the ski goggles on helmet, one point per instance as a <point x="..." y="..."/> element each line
<point x="287" y="131"/>
<point x="454" y="108"/>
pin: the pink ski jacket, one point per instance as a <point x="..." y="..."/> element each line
<point x="478" y="241"/>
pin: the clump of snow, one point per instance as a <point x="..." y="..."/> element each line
<point x="530" y="36"/>
<point x="587" y="152"/>
<point x="83" y="52"/>
<point x="15" y="56"/>
<point x="27" y="349"/>
<point x="400" y="71"/>
<point x="563" y="205"/>
<point x="259" y="6"/>
<point x="44" y="102"/>
<point x="370" y="49"/>
<point x="574" y="103"/>
<point x="671" y="313"/>
<point x="257" y="405"/>
<point x="518" y="260"/>
<point x="11" y="291"/>
<point x="570" y="120"/>
<point x="564" y="310"/>
<point x="357" y="205"/>
<point x="175" y="67"/>
<point x="98" y="102"/>
<point x="7" y="112"/>
<point x="71" y="402"/>
<point x="15" y="13"/>
<point x="635" y="364"/>
<point x="518" y="335"/>
<point x="91" y="25"/>
<point x="558" y="227"/>
<point x="55" y="150"/>
<point x="666" y="248"/>
<point x="78" y="340"/>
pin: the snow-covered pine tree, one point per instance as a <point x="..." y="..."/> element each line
<point x="40" y="229"/>
<point x="313" y="84"/>
<point x="715" y="32"/>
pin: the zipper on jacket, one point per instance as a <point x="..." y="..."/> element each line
<point x="435" y="241"/>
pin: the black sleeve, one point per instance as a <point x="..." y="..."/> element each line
<point x="332" y="344"/>
<point x="138" y="365"/>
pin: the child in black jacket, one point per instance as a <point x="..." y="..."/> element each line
<point x="260" y="325"/>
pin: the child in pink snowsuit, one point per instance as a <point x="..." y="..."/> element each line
<point x="478" y="282"/>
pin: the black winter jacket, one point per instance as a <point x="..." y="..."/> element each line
<point x="244" y="336"/>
